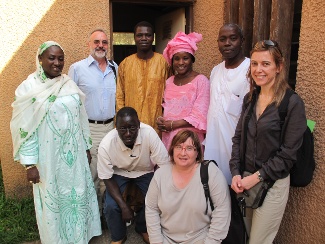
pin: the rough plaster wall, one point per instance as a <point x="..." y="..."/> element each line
<point x="208" y="18"/>
<point x="304" y="220"/>
<point x="68" y="23"/>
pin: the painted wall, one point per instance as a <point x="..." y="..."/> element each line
<point x="208" y="18"/>
<point x="304" y="220"/>
<point x="25" y="27"/>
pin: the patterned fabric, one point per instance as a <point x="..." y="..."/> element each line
<point x="50" y="129"/>
<point x="189" y="102"/>
<point x="140" y="85"/>
<point x="33" y="98"/>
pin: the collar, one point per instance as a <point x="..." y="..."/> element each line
<point x="91" y="60"/>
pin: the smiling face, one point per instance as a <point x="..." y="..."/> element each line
<point x="185" y="153"/>
<point x="263" y="69"/>
<point x="98" y="45"/>
<point x="52" y="61"/>
<point x="229" y="42"/>
<point x="182" y="63"/>
<point x="143" y="38"/>
<point x="128" y="128"/>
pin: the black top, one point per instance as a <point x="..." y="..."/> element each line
<point x="264" y="151"/>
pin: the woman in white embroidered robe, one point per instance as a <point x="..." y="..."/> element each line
<point x="50" y="135"/>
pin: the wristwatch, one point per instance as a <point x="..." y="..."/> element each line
<point x="259" y="176"/>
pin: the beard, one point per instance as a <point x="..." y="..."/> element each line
<point x="99" y="53"/>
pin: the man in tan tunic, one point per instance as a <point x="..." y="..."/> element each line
<point x="142" y="76"/>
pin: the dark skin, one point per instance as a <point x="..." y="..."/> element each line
<point x="144" y="38"/>
<point x="52" y="62"/>
<point x="230" y="46"/>
<point x="183" y="66"/>
<point x="132" y="125"/>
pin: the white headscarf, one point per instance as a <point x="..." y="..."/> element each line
<point x="33" y="99"/>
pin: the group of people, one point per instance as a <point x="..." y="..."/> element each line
<point x="169" y="118"/>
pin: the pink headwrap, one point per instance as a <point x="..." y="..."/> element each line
<point x="181" y="43"/>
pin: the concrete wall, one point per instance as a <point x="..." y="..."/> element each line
<point x="26" y="27"/>
<point x="69" y="22"/>
<point x="304" y="220"/>
<point x="208" y="18"/>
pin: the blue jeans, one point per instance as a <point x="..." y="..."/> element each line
<point x="113" y="213"/>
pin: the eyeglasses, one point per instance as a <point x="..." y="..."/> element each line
<point x="131" y="129"/>
<point x="187" y="148"/>
<point x="104" y="42"/>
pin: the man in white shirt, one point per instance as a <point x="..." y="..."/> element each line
<point x="228" y="86"/>
<point x="128" y="153"/>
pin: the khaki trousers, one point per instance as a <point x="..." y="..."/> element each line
<point x="98" y="132"/>
<point x="263" y="223"/>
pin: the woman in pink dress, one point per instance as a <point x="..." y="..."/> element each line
<point x="187" y="93"/>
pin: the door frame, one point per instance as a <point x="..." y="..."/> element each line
<point x="186" y="4"/>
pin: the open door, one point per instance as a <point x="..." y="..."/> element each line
<point x="167" y="26"/>
<point x="168" y="17"/>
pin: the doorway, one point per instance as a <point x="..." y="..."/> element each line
<point x="167" y="17"/>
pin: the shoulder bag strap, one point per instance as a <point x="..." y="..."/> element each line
<point x="204" y="173"/>
<point x="111" y="64"/>
<point x="247" y="118"/>
<point x="283" y="109"/>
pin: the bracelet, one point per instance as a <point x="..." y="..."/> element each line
<point x="171" y="125"/>
<point x="30" y="166"/>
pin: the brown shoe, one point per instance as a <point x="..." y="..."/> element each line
<point x="145" y="237"/>
<point x="119" y="242"/>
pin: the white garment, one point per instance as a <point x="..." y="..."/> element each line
<point x="50" y="130"/>
<point x="228" y="88"/>
<point x="116" y="158"/>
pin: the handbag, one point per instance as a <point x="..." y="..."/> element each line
<point x="254" y="197"/>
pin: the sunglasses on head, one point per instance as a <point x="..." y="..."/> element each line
<point x="269" y="43"/>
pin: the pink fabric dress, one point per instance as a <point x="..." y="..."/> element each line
<point x="189" y="102"/>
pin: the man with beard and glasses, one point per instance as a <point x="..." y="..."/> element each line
<point x="142" y="76"/>
<point x="228" y="86"/>
<point x="128" y="153"/>
<point x="96" y="77"/>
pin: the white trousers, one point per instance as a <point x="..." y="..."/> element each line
<point x="98" y="131"/>
<point x="263" y="223"/>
